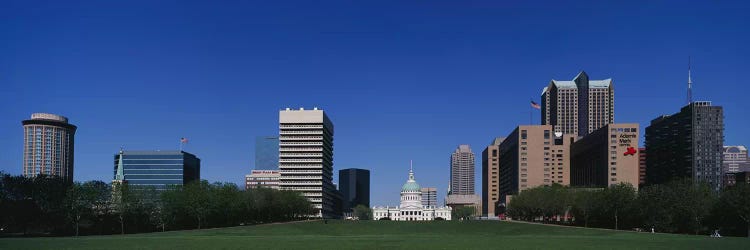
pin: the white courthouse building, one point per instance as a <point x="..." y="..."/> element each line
<point x="411" y="208"/>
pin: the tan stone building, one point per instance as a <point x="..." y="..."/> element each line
<point x="580" y="106"/>
<point x="531" y="156"/>
<point x="606" y="157"/>
<point x="534" y="155"/>
<point x="491" y="177"/>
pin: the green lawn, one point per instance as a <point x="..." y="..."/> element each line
<point x="386" y="235"/>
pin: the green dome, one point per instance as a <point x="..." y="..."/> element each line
<point x="410" y="186"/>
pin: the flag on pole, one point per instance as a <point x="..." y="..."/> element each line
<point x="183" y="140"/>
<point x="535" y="105"/>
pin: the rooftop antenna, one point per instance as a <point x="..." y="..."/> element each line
<point x="690" y="85"/>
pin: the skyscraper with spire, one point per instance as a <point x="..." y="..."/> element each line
<point x="690" y="85"/>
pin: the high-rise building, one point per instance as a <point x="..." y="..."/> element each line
<point x="429" y="196"/>
<point x="642" y="166"/>
<point x="606" y="157"/>
<point x="267" y="153"/>
<point x="491" y="177"/>
<point x="354" y="185"/>
<point x="579" y="106"/>
<point x="462" y="171"/>
<point x="48" y="146"/>
<point x="531" y="156"/>
<point x="262" y="179"/>
<point x="157" y="169"/>
<point x="735" y="159"/>
<point x="687" y="144"/>
<point x="306" y="157"/>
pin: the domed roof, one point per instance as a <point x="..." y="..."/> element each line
<point x="411" y="185"/>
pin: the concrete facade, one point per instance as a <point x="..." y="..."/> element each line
<point x="606" y="157"/>
<point x="429" y="196"/>
<point x="735" y="159"/>
<point x="580" y="106"/>
<point x="262" y="179"/>
<point x="306" y="157"/>
<point x="462" y="171"/>
<point x="48" y="146"/>
<point x="491" y="178"/>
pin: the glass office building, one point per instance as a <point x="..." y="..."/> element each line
<point x="267" y="153"/>
<point x="158" y="169"/>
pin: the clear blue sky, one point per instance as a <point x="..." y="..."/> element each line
<point x="401" y="80"/>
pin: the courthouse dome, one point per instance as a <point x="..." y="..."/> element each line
<point x="411" y="184"/>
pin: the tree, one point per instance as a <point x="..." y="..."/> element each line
<point x="198" y="200"/>
<point x="363" y="212"/>
<point x="462" y="212"/>
<point x="584" y="204"/>
<point x="618" y="198"/>
<point x="737" y="200"/>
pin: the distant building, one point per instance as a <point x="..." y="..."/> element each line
<point x="267" y="153"/>
<point x="606" y="157"/>
<point x="411" y="208"/>
<point x="262" y="179"/>
<point x="48" y="146"/>
<point x="742" y="177"/>
<point x="735" y="159"/>
<point x="429" y="196"/>
<point x="642" y="166"/>
<point x="354" y="186"/>
<point x="306" y="157"/>
<point x="156" y="169"/>
<point x="462" y="171"/>
<point x="580" y="106"/>
<point x="456" y="201"/>
<point x="491" y="178"/>
<point x="688" y="144"/>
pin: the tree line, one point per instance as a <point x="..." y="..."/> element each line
<point x="47" y="205"/>
<point x="676" y="207"/>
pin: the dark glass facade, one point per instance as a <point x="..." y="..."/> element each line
<point x="158" y="169"/>
<point x="688" y="144"/>
<point x="267" y="153"/>
<point x="354" y="185"/>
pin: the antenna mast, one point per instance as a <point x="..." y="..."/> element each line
<point x="690" y="85"/>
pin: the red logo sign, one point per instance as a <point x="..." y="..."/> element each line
<point x="631" y="151"/>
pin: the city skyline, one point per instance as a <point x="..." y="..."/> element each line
<point x="390" y="83"/>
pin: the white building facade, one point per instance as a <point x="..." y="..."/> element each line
<point x="411" y="208"/>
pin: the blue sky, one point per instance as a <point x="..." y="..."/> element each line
<point x="401" y="80"/>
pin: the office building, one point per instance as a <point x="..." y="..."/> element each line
<point x="262" y="179"/>
<point x="306" y="157"/>
<point x="491" y="178"/>
<point x="156" y="169"/>
<point x="642" y="166"/>
<point x="735" y="159"/>
<point x="606" y="157"/>
<point x="531" y="156"/>
<point x="462" y="171"/>
<point x="687" y="144"/>
<point x="354" y="186"/>
<point x="455" y="201"/>
<point x="411" y="208"/>
<point x="429" y="196"/>
<point x="580" y="106"/>
<point x="48" y="146"/>
<point x="267" y="153"/>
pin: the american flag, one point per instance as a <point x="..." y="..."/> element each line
<point x="183" y="140"/>
<point x="535" y="105"/>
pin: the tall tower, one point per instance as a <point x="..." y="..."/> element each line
<point x="306" y="157"/>
<point x="580" y="106"/>
<point x="462" y="171"/>
<point x="690" y="85"/>
<point x="48" y="146"/>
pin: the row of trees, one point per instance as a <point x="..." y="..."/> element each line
<point x="51" y="206"/>
<point x="677" y="207"/>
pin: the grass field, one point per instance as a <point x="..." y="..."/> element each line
<point x="386" y="235"/>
